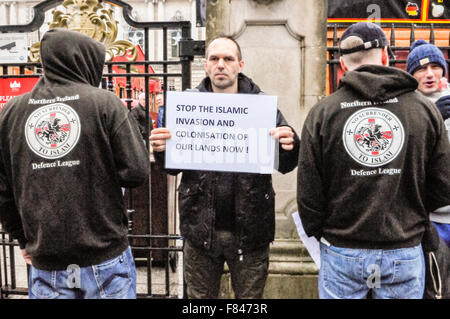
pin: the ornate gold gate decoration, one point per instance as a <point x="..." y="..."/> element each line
<point x="83" y="16"/>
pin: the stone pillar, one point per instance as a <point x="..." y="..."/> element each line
<point x="24" y="13"/>
<point x="159" y="34"/>
<point x="151" y="33"/>
<point x="4" y="19"/>
<point x="192" y="18"/>
<point x="29" y="15"/>
<point x="13" y="13"/>
<point x="150" y="10"/>
<point x="217" y="18"/>
<point x="284" y="49"/>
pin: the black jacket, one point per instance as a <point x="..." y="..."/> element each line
<point x="254" y="197"/>
<point x="139" y="115"/>
<point x="66" y="148"/>
<point x="373" y="162"/>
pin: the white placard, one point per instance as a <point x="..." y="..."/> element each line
<point x="13" y="48"/>
<point x="221" y="132"/>
<point x="311" y="243"/>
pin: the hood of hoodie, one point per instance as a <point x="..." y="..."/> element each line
<point x="378" y="83"/>
<point x="69" y="56"/>
<point x="245" y="85"/>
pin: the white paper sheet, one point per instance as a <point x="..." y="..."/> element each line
<point x="311" y="243"/>
<point x="221" y="132"/>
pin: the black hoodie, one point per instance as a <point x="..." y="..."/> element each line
<point x="373" y="161"/>
<point x="66" y="148"/>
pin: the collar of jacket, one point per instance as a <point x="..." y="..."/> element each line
<point x="245" y="85"/>
<point x="378" y="83"/>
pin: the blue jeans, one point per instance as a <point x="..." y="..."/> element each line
<point x="388" y="274"/>
<point x="112" y="279"/>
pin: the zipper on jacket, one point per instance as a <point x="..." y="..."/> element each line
<point x="237" y="221"/>
<point x="241" y="255"/>
<point x="212" y="225"/>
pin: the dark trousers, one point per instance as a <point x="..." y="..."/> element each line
<point x="203" y="269"/>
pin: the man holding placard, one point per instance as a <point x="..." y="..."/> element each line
<point x="225" y="215"/>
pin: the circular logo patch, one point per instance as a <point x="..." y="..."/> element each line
<point x="373" y="137"/>
<point x="53" y="130"/>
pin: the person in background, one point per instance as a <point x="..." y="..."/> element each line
<point x="426" y="63"/>
<point x="138" y="113"/>
<point x="160" y="104"/>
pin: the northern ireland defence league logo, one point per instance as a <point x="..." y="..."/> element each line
<point x="53" y="130"/>
<point x="373" y="136"/>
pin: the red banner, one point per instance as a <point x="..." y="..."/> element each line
<point x="12" y="87"/>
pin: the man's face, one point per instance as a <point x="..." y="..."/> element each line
<point x="429" y="76"/>
<point x="222" y="65"/>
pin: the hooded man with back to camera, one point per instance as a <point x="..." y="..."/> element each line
<point x="66" y="149"/>
<point x="373" y="162"/>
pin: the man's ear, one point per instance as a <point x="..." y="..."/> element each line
<point x="385" y="57"/>
<point x="241" y="66"/>
<point x="343" y="66"/>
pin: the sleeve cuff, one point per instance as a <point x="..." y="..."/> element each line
<point x="22" y="243"/>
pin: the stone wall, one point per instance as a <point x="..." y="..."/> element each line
<point x="284" y="50"/>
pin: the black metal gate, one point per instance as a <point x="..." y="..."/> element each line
<point x="157" y="252"/>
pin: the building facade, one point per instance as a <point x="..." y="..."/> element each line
<point x="22" y="12"/>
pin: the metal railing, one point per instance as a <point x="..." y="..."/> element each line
<point x="8" y="268"/>
<point x="14" y="272"/>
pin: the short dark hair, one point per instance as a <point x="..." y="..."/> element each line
<point x="223" y="36"/>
